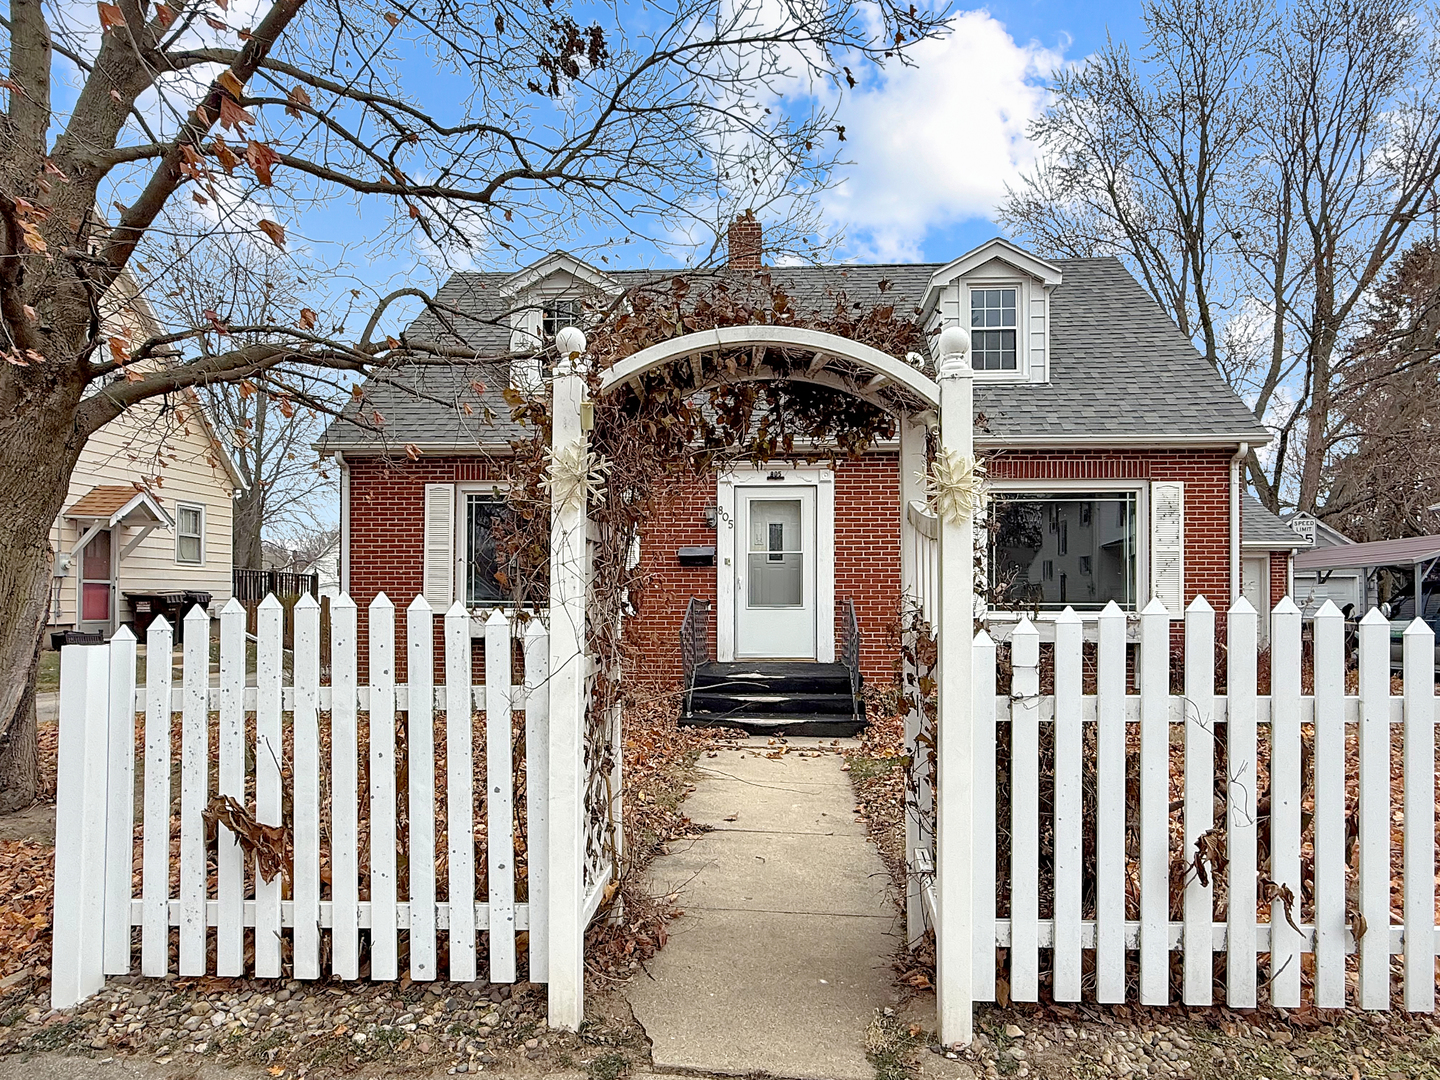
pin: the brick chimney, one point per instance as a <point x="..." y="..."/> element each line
<point x="746" y="242"/>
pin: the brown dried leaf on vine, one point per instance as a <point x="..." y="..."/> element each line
<point x="1272" y="892"/>
<point x="266" y="844"/>
<point x="1210" y="850"/>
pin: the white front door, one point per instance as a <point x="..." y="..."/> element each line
<point x="775" y="573"/>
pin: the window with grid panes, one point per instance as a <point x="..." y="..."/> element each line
<point x="993" y="328"/>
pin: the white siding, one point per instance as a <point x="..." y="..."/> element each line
<point x="171" y="452"/>
<point x="1033" y="338"/>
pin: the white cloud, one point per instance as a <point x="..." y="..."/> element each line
<point x="934" y="144"/>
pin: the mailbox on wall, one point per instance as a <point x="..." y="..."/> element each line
<point x="696" y="556"/>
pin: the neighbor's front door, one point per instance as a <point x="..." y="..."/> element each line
<point x="97" y="583"/>
<point x="775" y="574"/>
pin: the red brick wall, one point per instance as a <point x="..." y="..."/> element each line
<point x="1279" y="576"/>
<point x="387" y="525"/>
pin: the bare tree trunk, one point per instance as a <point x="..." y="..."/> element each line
<point x="246" y="531"/>
<point x="38" y="451"/>
<point x="20" y="757"/>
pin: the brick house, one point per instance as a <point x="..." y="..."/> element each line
<point x="1114" y="457"/>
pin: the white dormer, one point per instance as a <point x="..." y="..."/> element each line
<point x="544" y="297"/>
<point x="1001" y="295"/>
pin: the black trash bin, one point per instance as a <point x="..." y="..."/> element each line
<point x="147" y="606"/>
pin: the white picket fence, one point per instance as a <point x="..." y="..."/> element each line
<point x="326" y="926"/>
<point x="1088" y="933"/>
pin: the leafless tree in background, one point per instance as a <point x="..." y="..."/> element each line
<point x="1384" y="435"/>
<point x="481" y="126"/>
<point x="270" y="433"/>
<point x="1258" y="167"/>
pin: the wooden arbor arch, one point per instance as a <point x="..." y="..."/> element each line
<point x="920" y="402"/>
<point x="830" y="360"/>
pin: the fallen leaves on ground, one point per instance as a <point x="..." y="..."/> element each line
<point x="27" y="882"/>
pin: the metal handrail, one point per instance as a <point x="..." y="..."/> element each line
<point x="850" y="653"/>
<point x="694" y="642"/>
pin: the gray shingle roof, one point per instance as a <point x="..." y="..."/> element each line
<point x="1118" y="366"/>
<point x="1260" y="528"/>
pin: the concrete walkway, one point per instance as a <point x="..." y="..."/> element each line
<point x="784" y="951"/>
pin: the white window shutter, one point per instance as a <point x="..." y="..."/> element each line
<point x="439" y="587"/>
<point x="1167" y="545"/>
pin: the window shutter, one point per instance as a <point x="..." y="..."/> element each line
<point x="439" y="545"/>
<point x="1167" y="545"/>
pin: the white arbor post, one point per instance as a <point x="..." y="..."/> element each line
<point x="955" y="626"/>
<point x="568" y="579"/>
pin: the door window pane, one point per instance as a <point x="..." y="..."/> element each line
<point x="95" y="601"/>
<point x="776" y="556"/>
<point x="482" y="568"/>
<point x="1047" y="551"/>
<point x="96" y="560"/>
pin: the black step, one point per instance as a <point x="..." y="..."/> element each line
<point x="820" y="727"/>
<point x="786" y="677"/>
<point x="715" y="700"/>
<point x="775" y="697"/>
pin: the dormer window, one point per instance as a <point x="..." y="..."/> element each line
<point x="993" y="328"/>
<point x="558" y="314"/>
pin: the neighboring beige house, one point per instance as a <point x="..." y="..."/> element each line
<point x="148" y="515"/>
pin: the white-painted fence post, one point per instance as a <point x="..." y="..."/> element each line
<point x="1330" y="923"/>
<point x="229" y="858"/>
<point x="537" y="794"/>
<point x="499" y="798"/>
<point x="1155" y="804"/>
<point x="460" y="792"/>
<point x="77" y="964"/>
<point x="269" y="755"/>
<point x="1199" y="913"/>
<point x="1068" y="805"/>
<point x="384" y="943"/>
<point x="1374" y="836"/>
<point x="955" y="632"/>
<point x="155" y="847"/>
<point x="983" y="673"/>
<point x="1242" y="823"/>
<point x="1110" y="782"/>
<point x="568" y="665"/>
<point x="305" y="789"/>
<point x="344" y="788"/>
<point x="120" y="812"/>
<point x="194" y="789"/>
<point x="1419" y="664"/>
<point x="1025" y="812"/>
<point x="420" y="762"/>
<point x="1285" y="787"/>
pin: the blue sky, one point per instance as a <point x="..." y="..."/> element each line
<point x="932" y="146"/>
<point x="1072" y="30"/>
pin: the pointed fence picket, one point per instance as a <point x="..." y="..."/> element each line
<point x="301" y="922"/>
<point x="1224" y="756"/>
